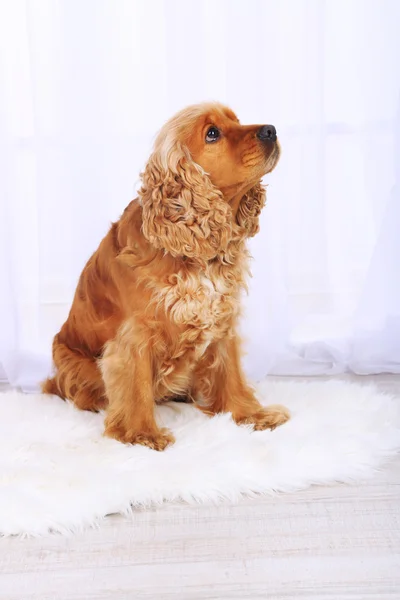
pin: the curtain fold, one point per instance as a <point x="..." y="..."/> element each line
<point x="84" y="86"/>
<point x="376" y="339"/>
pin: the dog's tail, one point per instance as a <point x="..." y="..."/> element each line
<point x="61" y="358"/>
<point x="49" y="386"/>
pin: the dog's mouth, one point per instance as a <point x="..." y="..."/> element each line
<point x="273" y="158"/>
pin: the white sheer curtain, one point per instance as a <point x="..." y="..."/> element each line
<point x="85" y="84"/>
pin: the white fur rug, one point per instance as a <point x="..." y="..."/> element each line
<point x="57" y="472"/>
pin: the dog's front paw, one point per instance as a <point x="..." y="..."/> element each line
<point x="266" y="418"/>
<point x="156" y="440"/>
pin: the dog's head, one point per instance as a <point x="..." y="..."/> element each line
<point x="203" y="178"/>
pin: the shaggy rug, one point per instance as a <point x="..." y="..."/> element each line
<point x="58" y="473"/>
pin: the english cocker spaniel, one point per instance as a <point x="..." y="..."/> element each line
<point x="156" y="308"/>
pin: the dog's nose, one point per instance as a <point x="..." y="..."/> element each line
<point x="267" y="133"/>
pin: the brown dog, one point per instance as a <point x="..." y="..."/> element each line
<point x="155" y="312"/>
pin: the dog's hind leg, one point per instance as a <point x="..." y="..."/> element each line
<point x="77" y="378"/>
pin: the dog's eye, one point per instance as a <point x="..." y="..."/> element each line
<point x="212" y="135"/>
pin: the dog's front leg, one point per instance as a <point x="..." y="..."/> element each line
<point x="221" y="385"/>
<point x="128" y="378"/>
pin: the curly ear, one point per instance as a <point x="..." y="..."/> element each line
<point x="250" y="208"/>
<point x="183" y="212"/>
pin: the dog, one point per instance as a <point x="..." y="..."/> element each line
<point x="156" y="308"/>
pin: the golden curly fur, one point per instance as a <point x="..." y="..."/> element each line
<point x="155" y="311"/>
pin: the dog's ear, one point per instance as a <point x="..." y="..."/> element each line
<point x="250" y="208"/>
<point x="183" y="212"/>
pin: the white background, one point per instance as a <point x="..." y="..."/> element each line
<point x="84" y="86"/>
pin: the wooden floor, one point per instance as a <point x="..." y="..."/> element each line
<point x="329" y="543"/>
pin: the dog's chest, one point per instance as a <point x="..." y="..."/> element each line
<point x="203" y="298"/>
<point x="200" y="305"/>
